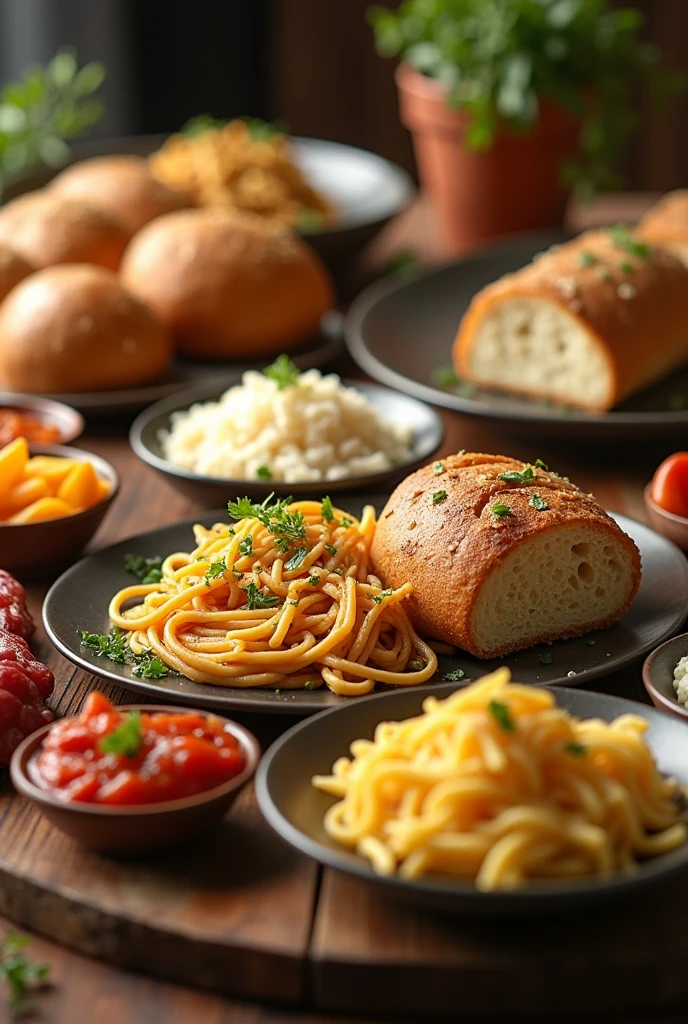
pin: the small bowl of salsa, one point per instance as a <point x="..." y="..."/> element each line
<point x="137" y="777"/>
<point x="39" y="420"/>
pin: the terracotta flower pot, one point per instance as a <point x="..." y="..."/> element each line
<point x="481" y="195"/>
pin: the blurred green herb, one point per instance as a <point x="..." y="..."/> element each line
<point x="43" y="110"/>
<point x="19" y="973"/>
<point x="126" y="739"/>
<point x="283" y="372"/>
<point x="402" y="262"/>
<point x="148" y="570"/>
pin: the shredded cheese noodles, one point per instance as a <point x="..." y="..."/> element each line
<point x="498" y="784"/>
<point x="284" y="599"/>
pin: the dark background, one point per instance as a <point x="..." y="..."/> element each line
<point x="310" y="62"/>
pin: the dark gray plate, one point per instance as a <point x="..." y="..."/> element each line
<point x="79" y="599"/>
<point x="400" y="331"/>
<point x="295" y="809"/>
<point x="144" y="436"/>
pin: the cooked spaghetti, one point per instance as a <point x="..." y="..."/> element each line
<point x="498" y="784"/>
<point x="282" y="599"/>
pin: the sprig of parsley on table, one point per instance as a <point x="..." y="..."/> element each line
<point x="19" y="973"/>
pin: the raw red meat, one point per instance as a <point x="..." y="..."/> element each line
<point x="25" y="684"/>
<point x="13" y="614"/>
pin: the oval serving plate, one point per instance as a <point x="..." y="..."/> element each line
<point x="401" y="332"/>
<point x="428" y="433"/>
<point x="295" y="809"/>
<point x="79" y="599"/>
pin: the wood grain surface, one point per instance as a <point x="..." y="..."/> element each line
<point x="245" y="915"/>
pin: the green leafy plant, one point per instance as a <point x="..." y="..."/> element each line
<point x="43" y="110"/>
<point x="20" y="974"/>
<point x="498" y="59"/>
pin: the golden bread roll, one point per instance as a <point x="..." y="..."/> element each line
<point x="228" y="285"/>
<point x="75" y="328"/>
<point x="13" y="269"/>
<point x="586" y="324"/>
<point x="500" y="564"/>
<point x="666" y="223"/>
<point x="123" y="187"/>
<point x="46" y="228"/>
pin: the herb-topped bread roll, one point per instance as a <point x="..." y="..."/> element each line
<point x="666" y="223"/>
<point x="586" y="324"/>
<point x="503" y="555"/>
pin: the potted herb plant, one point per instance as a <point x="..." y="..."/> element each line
<point x="512" y="103"/>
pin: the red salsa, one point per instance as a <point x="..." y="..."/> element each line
<point x="106" y="756"/>
<point x="16" y="423"/>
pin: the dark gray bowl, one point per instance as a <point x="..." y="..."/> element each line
<point x="211" y="491"/>
<point x="658" y="675"/>
<point x="295" y="809"/>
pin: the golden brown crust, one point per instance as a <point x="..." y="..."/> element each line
<point x="667" y="220"/>
<point x="621" y="298"/>
<point x="13" y="269"/>
<point x="448" y="549"/>
<point x="228" y="285"/>
<point x="123" y="186"/>
<point x="75" y="328"/>
<point x="47" y="229"/>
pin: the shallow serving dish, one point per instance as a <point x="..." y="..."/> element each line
<point x="658" y="675"/>
<point x="143" y="826"/>
<point x="145" y="440"/>
<point x="667" y="523"/>
<point x="35" y="549"/>
<point x="295" y="808"/>
<point x="68" y="421"/>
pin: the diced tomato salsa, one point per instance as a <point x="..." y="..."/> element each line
<point x="104" y="756"/>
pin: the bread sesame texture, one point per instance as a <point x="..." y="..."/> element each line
<point x="492" y="584"/>
<point x="574" y="326"/>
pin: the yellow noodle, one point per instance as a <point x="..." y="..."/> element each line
<point x="326" y="620"/>
<point x="498" y="784"/>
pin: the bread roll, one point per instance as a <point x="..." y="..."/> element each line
<point x="228" y="285"/>
<point x="666" y="223"/>
<point x="13" y="269"/>
<point x="46" y="229"/>
<point x="491" y="584"/>
<point x="586" y="324"/>
<point x="123" y="187"/>
<point x="75" y="328"/>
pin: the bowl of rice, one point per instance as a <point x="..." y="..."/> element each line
<point x="285" y="432"/>
<point x="665" y="676"/>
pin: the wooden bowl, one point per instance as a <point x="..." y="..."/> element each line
<point x="658" y="675"/>
<point x="673" y="527"/>
<point x="29" y="550"/>
<point x="68" y="421"/>
<point x="142" y="827"/>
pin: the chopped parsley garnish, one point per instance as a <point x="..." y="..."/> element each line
<point x="331" y="550"/>
<point x="502" y="716"/>
<point x="309" y="684"/>
<point x="444" y="377"/>
<point x="455" y="676"/>
<point x="149" y="666"/>
<point x="294" y="603"/>
<point x="327" y="509"/>
<point x="215" y="570"/>
<point x="538" y="503"/>
<point x="378" y="598"/>
<point x="415" y="665"/>
<point x="626" y="268"/>
<point x="439" y="468"/>
<point x="148" y="570"/>
<point x="623" y="239"/>
<point x="19" y="973"/>
<point x="314" y="580"/>
<point x="286" y="527"/>
<point x="590" y="642"/>
<point x="438" y="496"/>
<point x="577" y="749"/>
<point x="500" y="510"/>
<point x="515" y="476"/>
<point x="284" y="373"/>
<point x="246" y="545"/>
<point x="126" y="739"/>
<point x="264" y="472"/>
<point x="345" y="523"/>
<point x="296" y="560"/>
<point x="587" y="258"/>
<point x="539" y="464"/>
<point x="113" y="646"/>
<point x="277" y="693"/>
<point x="255" y="598"/>
<point x="545" y="658"/>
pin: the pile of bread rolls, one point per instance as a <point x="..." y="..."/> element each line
<point x="107" y="271"/>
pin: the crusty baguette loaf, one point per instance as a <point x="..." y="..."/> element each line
<point x="666" y="223"/>
<point x="491" y="584"/>
<point x="586" y="324"/>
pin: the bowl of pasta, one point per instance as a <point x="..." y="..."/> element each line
<point x="493" y="798"/>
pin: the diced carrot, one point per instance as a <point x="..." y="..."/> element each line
<point x="44" y="508"/>
<point x="24" y="493"/>
<point x="13" y="458"/>
<point x="52" y="468"/>
<point x="80" y="487"/>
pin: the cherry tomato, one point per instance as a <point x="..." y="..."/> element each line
<point x="669" y="488"/>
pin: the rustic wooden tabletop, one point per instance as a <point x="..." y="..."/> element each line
<point x="330" y="917"/>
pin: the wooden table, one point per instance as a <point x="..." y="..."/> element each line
<point x="327" y="908"/>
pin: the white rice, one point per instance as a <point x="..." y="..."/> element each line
<point x="316" y="429"/>
<point x="681" y="681"/>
